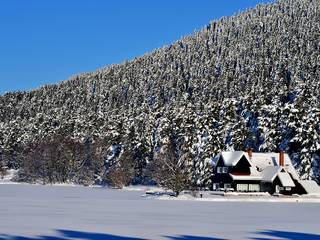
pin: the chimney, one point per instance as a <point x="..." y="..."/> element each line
<point x="249" y="151"/>
<point x="281" y="158"/>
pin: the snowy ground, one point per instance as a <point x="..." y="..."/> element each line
<point x="244" y="197"/>
<point x="29" y="212"/>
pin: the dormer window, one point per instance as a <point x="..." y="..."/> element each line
<point x="222" y="169"/>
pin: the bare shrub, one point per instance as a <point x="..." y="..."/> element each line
<point x="171" y="171"/>
<point x="123" y="172"/>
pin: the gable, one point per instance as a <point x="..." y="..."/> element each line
<point x="231" y="159"/>
<point x="285" y="179"/>
<point x="243" y="166"/>
<point x="243" y="162"/>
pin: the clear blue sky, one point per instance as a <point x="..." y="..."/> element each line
<point x="46" y="41"/>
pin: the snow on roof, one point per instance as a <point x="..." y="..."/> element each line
<point x="231" y="158"/>
<point x="254" y="175"/>
<point x="264" y="160"/>
<point x="270" y="173"/>
<point x="310" y="186"/>
<point x="264" y="166"/>
<point x="290" y="168"/>
<point x="285" y="179"/>
<point x="245" y="177"/>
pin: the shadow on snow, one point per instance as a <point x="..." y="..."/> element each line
<point x="286" y="235"/>
<point x="68" y="234"/>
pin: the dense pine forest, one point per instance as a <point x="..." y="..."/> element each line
<point x="247" y="81"/>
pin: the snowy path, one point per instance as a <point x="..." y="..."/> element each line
<point x="57" y="212"/>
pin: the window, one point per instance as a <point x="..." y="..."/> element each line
<point x="215" y="186"/>
<point x="254" y="188"/>
<point x="227" y="185"/>
<point x="242" y="187"/>
<point x="278" y="189"/>
<point x="222" y="169"/>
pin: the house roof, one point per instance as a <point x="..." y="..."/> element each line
<point x="311" y="187"/>
<point x="264" y="160"/>
<point x="270" y="173"/>
<point x="230" y="159"/>
<point x="260" y="161"/>
<point x="285" y="179"/>
<point x="245" y="177"/>
<point x="263" y="166"/>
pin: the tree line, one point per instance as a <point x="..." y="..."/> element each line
<point x="88" y="161"/>
<point x="250" y="80"/>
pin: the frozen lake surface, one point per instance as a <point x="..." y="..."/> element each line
<point x="29" y="212"/>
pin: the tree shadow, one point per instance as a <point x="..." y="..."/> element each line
<point x="286" y="235"/>
<point x="69" y="234"/>
<point x="187" y="237"/>
<point x="92" y="236"/>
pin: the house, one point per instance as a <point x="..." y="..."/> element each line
<point x="257" y="172"/>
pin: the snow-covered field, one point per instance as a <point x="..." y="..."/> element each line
<point x="60" y="212"/>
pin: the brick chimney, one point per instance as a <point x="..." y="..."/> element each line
<point x="281" y="158"/>
<point x="249" y="151"/>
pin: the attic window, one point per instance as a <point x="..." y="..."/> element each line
<point x="222" y="170"/>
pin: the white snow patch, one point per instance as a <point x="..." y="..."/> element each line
<point x="243" y="197"/>
<point x="8" y="177"/>
<point x="142" y="188"/>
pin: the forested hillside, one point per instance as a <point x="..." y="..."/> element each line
<point x="251" y="80"/>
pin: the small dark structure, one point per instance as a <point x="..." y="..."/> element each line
<point x="256" y="172"/>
